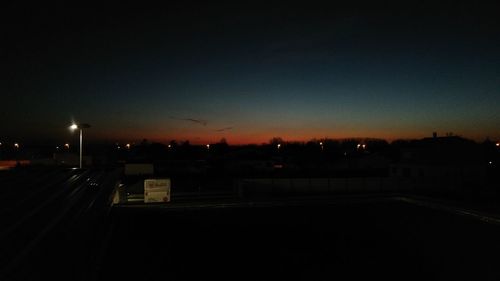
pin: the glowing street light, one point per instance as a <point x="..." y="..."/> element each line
<point x="66" y="145"/>
<point x="81" y="127"/>
<point x="16" y="145"/>
<point x="128" y="145"/>
<point x="208" y="146"/>
<point x="497" y="144"/>
<point x="278" y="145"/>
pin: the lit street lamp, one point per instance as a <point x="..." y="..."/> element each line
<point x="81" y="127"/>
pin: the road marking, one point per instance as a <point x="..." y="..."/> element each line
<point x="455" y="210"/>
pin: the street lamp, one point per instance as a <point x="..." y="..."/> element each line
<point x="81" y="127"/>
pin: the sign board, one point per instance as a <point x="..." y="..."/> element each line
<point x="156" y="190"/>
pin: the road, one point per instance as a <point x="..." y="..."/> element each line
<point x="48" y="217"/>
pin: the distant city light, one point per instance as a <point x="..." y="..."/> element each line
<point x="279" y="145"/>
<point x="128" y="145"/>
<point x="169" y="146"/>
<point x="490" y="162"/>
<point x="497" y="144"/>
<point x="66" y="145"/>
<point x="57" y="147"/>
<point x="364" y="146"/>
<point x="208" y="146"/>
<point x="359" y="145"/>
<point x="16" y="145"/>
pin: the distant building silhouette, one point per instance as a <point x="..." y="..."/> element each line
<point x="441" y="163"/>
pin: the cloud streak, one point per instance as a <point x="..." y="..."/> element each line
<point x="224" y="129"/>
<point x="193" y="120"/>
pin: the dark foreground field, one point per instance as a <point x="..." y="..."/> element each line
<point x="347" y="240"/>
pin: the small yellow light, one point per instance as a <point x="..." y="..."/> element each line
<point x="16" y="145"/>
<point x="73" y="127"/>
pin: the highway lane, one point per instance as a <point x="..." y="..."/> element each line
<point x="21" y="210"/>
<point x="16" y="181"/>
<point x="39" y="230"/>
<point x="28" y="198"/>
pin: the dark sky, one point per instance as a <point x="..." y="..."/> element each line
<point x="251" y="72"/>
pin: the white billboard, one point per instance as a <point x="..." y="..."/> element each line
<point x="156" y="190"/>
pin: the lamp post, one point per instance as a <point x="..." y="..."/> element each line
<point x="81" y="127"/>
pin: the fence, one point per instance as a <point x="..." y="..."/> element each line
<point x="292" y="186"/>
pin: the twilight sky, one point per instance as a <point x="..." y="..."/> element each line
<point x="251" y="72"/>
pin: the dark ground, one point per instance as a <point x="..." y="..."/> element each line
<point x="348" y="240"/>
<point x="337" y="237"/>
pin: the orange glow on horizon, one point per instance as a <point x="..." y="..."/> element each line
<point x="255" y="139"/>
<point x="253" y="136"/>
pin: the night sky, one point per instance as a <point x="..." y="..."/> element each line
<point x="251" y="72"/>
